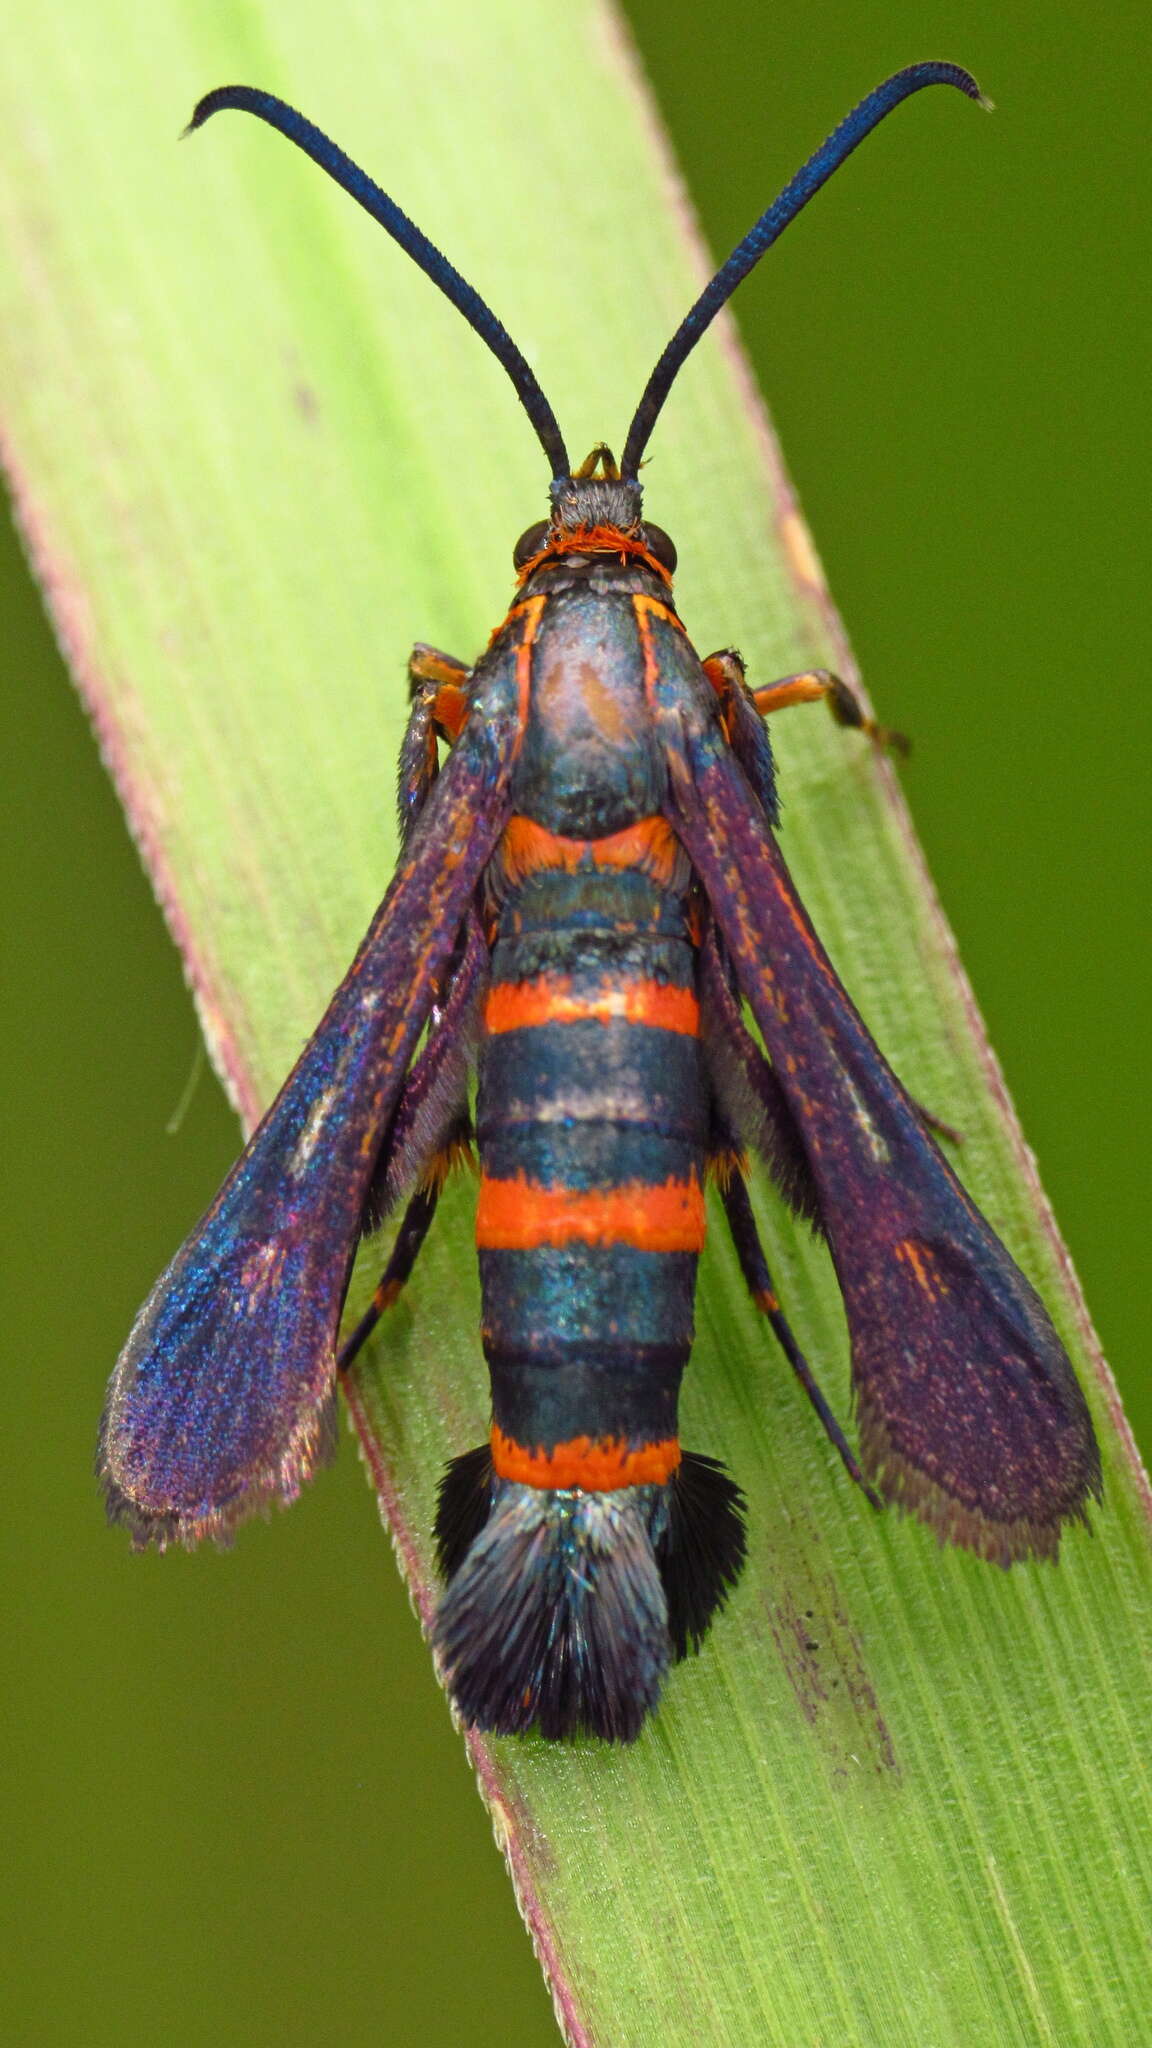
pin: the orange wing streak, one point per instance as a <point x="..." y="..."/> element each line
<point x="919" y="1257"/>
<point x="517" y="1005"/>
<point x="597" y="1464"/>
<point x="650" y="845"/>
<point x="520" y="1215"/>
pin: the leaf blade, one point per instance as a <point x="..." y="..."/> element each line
<point x="800" y="1885"/>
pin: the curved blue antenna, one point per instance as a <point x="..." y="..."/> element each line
<point x="278" y="114"/>
<point x="807" y="182"/>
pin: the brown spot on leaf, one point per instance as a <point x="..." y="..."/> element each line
<point x="825" y="1665"/>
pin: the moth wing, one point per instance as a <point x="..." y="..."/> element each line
<point x="969" y="1411"/>
<point x="223" y="1398"/>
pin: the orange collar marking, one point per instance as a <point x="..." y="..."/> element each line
<point x="597" y="540"/>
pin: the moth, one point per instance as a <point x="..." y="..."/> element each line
<point x="589" y="901"/>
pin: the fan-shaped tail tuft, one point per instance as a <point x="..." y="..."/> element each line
<point x="564" y="1609"/>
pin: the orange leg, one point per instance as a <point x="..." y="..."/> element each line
<point x="445" y="681"/>
<point x="812" y="684"/>
<point x="439" y="687"/>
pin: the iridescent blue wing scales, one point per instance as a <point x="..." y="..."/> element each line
<point x="223" y="1396"/>
<point x="969" y="1411"/>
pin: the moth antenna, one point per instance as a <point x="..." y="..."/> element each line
<point x="770" y="226"/>
<point x="278" y="114"/>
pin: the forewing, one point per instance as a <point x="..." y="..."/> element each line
<point x="969" y="1411"/>
<point x="223" y="1396"/>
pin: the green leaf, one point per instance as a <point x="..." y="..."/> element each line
<point x="901" y="1798"/>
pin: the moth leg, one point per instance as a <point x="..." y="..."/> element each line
<point x="450" y="678"/>
<point x="440" y="690"/>
<point x="746" y="732"/>
<point x="410" y="1237"/>
<point x="754" y="1267"/>
<point x="725" y="671"/>
<point x="431" y="1116"/>
<point x="937" y="1123"/>
<point x="431" y="1132"/>
<point x="809" y="686"/>
<point x="748" y="1090"/>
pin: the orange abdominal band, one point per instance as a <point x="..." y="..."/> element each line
<point x="597" y="1464"/>
<point x="650" y="845"/>
<point x="521" y="1215"/>
<point x="517" y="1005"/>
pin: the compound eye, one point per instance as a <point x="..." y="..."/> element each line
<point x="661" y="546"/>
<point x="530" y="543"/>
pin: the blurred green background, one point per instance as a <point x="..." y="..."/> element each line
<point x="238" y="1812"/>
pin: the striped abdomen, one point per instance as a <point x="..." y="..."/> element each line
<point x="592" y="1126"/>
